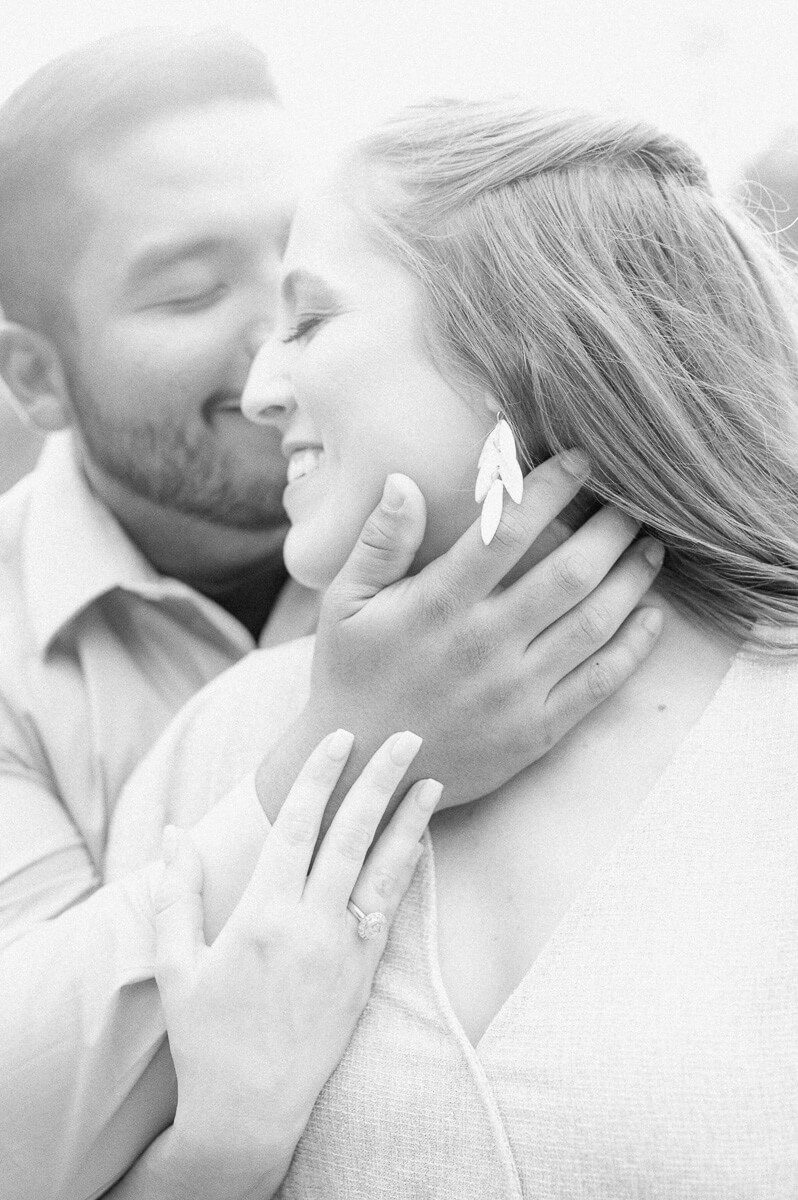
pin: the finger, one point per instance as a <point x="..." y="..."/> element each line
<point x="566" y="576"/>
<point x="471" y="570"/>
<point x="178" y="908"/>
<point x="389" y="867"/>
<point x="593" y="622"/>
<point x="343" y="851"/>
<point x="281" y="870"/>
<point x="603" y="674"/>
<point x="385" y="549"/>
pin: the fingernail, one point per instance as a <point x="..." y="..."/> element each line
<point x="650" y="619"/>
<point x="405" y="748"/>
<point x="339" y="744"/>
<point x="429" y="795"/>
<point x="653" y="552"/>
<point x="169" y="843"/>
<point x="392" y="495"/>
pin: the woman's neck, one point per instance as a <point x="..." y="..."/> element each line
<point x="510" y="866"/>
<point x="660" y="702"/>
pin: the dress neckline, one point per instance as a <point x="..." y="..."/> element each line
<point x="605" y="869"/>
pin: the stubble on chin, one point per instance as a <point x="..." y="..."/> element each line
<point x="185" y="471"/>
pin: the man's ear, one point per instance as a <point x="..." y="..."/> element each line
<point x="30" y="367"/>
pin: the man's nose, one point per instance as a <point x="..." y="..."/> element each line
<point x="268" y="394"/>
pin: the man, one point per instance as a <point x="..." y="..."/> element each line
<point x="141" y="226"/>
<point x="145" y="194"/>
<point x="146" y="188"/>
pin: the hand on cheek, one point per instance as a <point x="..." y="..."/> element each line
<point x="491" y="678"/>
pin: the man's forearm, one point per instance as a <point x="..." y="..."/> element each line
<point x="174" y="1169"/>
<point x="87" y="1081"/>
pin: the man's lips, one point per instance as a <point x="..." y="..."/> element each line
<point x="221" y="402"/>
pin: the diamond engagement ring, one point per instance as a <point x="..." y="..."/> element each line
<point x="369" y="925"/>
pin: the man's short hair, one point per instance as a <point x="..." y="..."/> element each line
<point x="80" y="102"/>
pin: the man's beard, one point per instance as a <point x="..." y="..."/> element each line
<point x="179" y="469"/>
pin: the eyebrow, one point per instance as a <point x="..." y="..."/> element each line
<point x="300" y="279"/>
<point x="156" y="259"/>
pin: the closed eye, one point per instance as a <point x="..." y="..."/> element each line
<point x="304" y="326"/>
<point x="194" y="301"/>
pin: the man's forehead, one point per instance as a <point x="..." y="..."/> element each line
<point x="194" y="176"/>
<point x="233" y="134"/>
<point x="241" y="143"/>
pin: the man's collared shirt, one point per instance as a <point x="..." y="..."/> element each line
<point x="97" y="653"/>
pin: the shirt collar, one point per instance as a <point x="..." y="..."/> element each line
<point x="74" y="551"/>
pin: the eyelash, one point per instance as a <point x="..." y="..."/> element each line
<point x="303" y="327"/>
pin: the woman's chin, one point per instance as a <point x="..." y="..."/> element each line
<point x="313" y="564"/>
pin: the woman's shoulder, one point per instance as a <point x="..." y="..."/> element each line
<point x="754" y="717"/>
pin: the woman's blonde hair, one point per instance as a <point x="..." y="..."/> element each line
<point x="580" y="269"/>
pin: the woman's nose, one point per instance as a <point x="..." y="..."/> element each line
<point x="268" y="393"/>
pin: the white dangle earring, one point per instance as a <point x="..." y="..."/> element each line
<point x="498" y="470"/>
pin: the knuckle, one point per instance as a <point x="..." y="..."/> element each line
<point x="571" y="573"/>
<point x="378" y="534"/>
<point x="513" y="530"/>
<point x="351" y="840"/>
<point x="473" y="647"/>
<point x="295" y="829"/>
<point x="595" y="623"/>
<point x="602" y="680"/>
<point x="440" y="602"/>
<point x="385" y="881"/>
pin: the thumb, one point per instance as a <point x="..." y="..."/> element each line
<point x="179" y="913"/>
<point x="386" y="547"/>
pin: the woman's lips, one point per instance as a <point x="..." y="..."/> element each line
<point x="303" y="462"/>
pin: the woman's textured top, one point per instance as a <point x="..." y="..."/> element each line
<point x="651" y="1050"/>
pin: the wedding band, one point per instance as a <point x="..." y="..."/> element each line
<point x="369" y="925"/>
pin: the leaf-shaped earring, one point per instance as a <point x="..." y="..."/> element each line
<point x="498" y="470"/>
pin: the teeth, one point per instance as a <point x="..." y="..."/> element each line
<point x="302" y="462"/>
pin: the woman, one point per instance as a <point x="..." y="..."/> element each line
<point x="590" y="987"/>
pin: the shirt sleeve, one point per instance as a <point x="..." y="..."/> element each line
<point x="86" y="1080"/>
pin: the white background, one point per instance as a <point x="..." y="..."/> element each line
<point x="723" y="73"/>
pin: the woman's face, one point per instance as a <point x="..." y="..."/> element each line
<point x="348" y="378"/>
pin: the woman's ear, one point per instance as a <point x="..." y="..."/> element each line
<point x="30" y="367"/>
<point x="492" y="404"/>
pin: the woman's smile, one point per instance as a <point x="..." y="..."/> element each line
<point x="303" y="461"/>
<point x="358" y="396"/>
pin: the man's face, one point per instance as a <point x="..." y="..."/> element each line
<point x="171" y="297"/>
